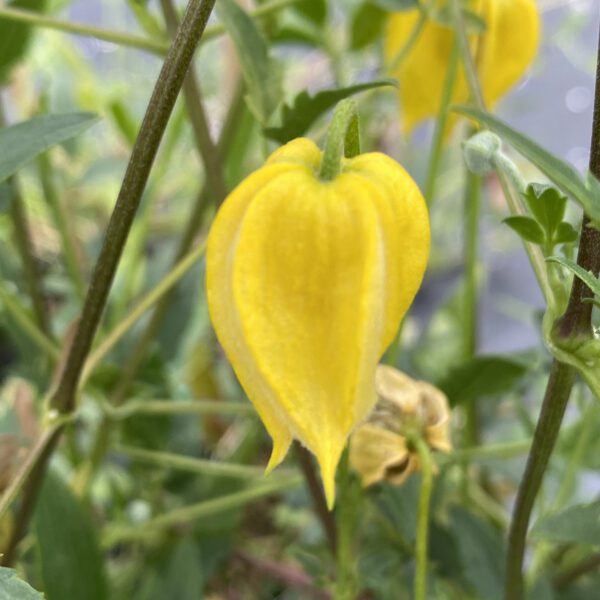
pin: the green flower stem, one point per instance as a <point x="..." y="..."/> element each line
<point x="588" y="420"/>
<point x="165" y="285"/>
<point x="437" y="145"/>
<point x="345" y="585"/>
<point x="490" y="451"/>
<point x="180" y="407"/>
<point x="420" y="587"/>
<point x="574" y="324"/>
<point x="22" y="317"/>
<point x="202" y="510"/>
<point x="211" y="468"/>
<point x="61" y="221"/>
<point x="471" y="313"/>
<point x="158" y="47"/>
<point x="166" y="90"/>
<point x="343" y="139"/>
<point x="315" y="489"/>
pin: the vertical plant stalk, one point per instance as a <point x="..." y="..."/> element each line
<point x="318" y="497"/>
<point x="575" y="323"/>
<point x="163" y="98"/>
<point x="471" y="312"/>
<point x="61" y="221"/>
<point x="437" y="145"/>
<point x="420" y="588"/>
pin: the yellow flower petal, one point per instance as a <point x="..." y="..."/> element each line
<point x="307" y="284"/>
<point x="503" y="53"/>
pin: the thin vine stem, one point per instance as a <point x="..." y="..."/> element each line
<point x="574" y="324"/>
<point x="420" y="584"/>
<point x="158" y="47"/>
<point x="166" y="90"/>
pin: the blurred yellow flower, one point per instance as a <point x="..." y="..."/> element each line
<point x="503" y="52"/>
<point x="380" y="449"/>
<point x="307" y="282"/>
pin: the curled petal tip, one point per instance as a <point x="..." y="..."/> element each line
<point x="280" y="449"/>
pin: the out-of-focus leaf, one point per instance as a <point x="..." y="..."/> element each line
<point x="123" y="120"/>
<point x="586" y="276"/>
<point x="526" y="227"/>
<point x="306" y="109"/>
<point x="481" y="551"/>
<point x="562" y="174"/>
<point x="146" y="19"/>
<point x="260" y="72"/>
<point x="72" y="565"/>
<point x="314" y="10"/>
<point x="13" y="588"/>
<point x="578" y="524"/>
<point x="24" y="141"/>
<point x="296" y="29"/>
<point x="367" y="25"/>
<point x="14" y="37"/>
<point x="482" y="376"/>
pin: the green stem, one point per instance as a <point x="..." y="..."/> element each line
<point x="193" y="100"/>
<point x="420" y="586"/>
<point x="61" y="221"/>
<point x="165" y="285"/>
<point x="343" y="139"/>
<point x="124" y="39"/>
<point x="144" y="151"/>
<point x="491" y="451"/>
<point x="167" y="87"/>
<point x="574" y="324"/>
<point x="201" y="510"/>
<point x="471" y="312"/>
<point x="345" y="586"/>
<point x="208" y="467"/>
<point x="437" y="145"/>
<point x="179" y="407"/>
<point x="28" y="325"/>
<point x="412" y="38"/>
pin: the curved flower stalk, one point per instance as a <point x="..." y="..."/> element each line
<point x="307" y="280"/>
<point x="503" y="52"/>
<point x="381" y="449"/>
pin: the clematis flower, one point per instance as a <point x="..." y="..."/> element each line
<point x="503" y="52"/>
<point x="307" y="282"/>
<point x="380" y="449"/>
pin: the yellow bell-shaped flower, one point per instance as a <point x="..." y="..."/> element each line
<point x="307" y="282"/>
<point x="502" y="52"/>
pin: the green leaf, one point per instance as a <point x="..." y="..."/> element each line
<point x="444" y="16"/>
<point x="70" y="556"/>
<point x="586" y="276"/>
<point x="260" y="72"/>
<point x="578" y="524"/>
<point x="482" y="376"/>
<point x="481" y="551"/>
<point x="565" y="234"/>
<point x="13" y="588"/>
<point x="562" y="174"/>
<point x="313" y="10"/>
<point x="14" y="37"/>
<point x="305" y="109"/>
<point x="24" y="141"/>
<point x="367" y="25"/>
<point x="296" y="29"/>
<point x="527" y="228"/>
<point x="547" y="205"/>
